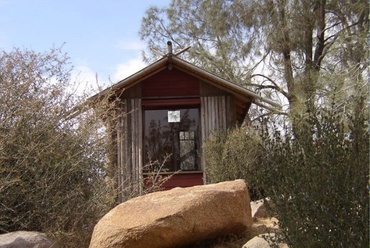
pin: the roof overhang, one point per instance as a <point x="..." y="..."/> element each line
<point x="171" y="61"/>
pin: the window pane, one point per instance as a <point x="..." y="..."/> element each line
<point x="187" y="151"/>
<point x="177" y="139"/>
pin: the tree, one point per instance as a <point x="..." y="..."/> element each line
<point x="288" y="50"/>
<point x="51" y="165"/>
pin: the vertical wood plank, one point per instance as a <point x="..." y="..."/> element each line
<point x="223" y="112"/>
<point x="140" y="146"/>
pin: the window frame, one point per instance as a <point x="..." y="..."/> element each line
<point x="174" y="104"/>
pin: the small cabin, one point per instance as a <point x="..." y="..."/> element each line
<point x="160" y="118"/>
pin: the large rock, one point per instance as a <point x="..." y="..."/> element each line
<point x="24" y="239"/>
<point x="176" y="217"/>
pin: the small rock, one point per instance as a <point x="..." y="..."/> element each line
<point x="259" y="208"/>
<point x="257" y="242"/>
<point x="264" y="241"/>
<point x="25" y="239"/>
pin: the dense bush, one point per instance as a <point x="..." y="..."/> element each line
<point x="317" y="180"/>
<point x="234" y="154"/>
<point x="51" y="165"/>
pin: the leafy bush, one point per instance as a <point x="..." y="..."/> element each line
<point x="232" y="155"/>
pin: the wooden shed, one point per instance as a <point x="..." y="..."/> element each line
<point x="165" y="113"/>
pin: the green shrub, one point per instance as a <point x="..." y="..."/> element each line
<point x="319" y="182"/>
<point x="234" y="154"/>
<point x="316" y="179"/>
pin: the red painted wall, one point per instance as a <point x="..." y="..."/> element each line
<point x="184" y="180"/>
<point x="170" y="83"/>
<point x="187" y="179"/>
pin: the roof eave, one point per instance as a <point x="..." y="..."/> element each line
<point x="168" y="61"/>
<point x="218" y="81"/>
<point x="133" y="79"/>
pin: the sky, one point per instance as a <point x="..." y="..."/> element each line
<point x="100" y="36"/>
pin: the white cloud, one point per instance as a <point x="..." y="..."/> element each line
<point x="128" y="68"/>
<point x="86" y="80"/>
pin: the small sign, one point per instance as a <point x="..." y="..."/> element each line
<point x="174" y="116"/>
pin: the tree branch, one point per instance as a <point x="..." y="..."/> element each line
<point x="274" y="85"/>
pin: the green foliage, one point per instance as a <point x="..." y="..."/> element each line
<point x="319" y="182"/>
<point x="51" y="167"/>
<point x="234" y="154"/>
<point x="213" y="29"/>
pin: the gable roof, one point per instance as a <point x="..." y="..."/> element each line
<point x="170" y="61"/>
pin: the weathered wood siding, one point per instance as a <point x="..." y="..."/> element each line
<point x="218" y="113"/>
<point x="129" y="146"/>
<point x="128" y="140"/>
<point x="217" y="110"/>
<point x="215" y="114"/>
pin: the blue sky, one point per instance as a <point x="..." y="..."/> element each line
<point x="100" y="36"/>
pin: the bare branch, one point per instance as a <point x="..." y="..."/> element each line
<point x="274" y="86"/>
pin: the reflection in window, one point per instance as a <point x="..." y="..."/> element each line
<point x="187" y="150"/>
<point x="164" y="137"/>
